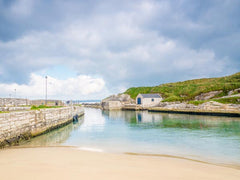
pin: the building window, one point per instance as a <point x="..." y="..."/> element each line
<point x="152" y="100"/>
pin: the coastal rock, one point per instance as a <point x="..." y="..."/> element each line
<point x="206" y="96"/>
<point x="234" y="91"/>
<point x="116" y="101"/>
<point x="176" y="105"/>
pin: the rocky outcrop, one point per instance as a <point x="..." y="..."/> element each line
<point x="234" y="91"/>
<point x="116" y="101"/>
<point x="209" y="95"/>
<point x="124" y="98"/>
<point x="206" y="96"/>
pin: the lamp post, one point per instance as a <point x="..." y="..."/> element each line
<point x="15" y="94"/>
<point x="10" y="100"/>
<point x="46" y="91"/>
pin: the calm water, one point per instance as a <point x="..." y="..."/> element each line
<point x="207" y="138"/>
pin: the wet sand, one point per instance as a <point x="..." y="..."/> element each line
<point x="71" y="163"/>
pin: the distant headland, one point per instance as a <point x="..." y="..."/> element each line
<point x="211" y="96"/>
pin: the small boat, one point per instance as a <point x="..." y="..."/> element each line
<point x="75" y="118"/>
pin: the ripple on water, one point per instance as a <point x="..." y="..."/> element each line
<point x="210" y="138"/>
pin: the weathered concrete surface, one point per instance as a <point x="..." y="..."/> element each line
<point x="15" y="126"/>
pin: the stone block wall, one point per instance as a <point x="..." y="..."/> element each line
<point x="14" y="102"/>
<point x="15" y="126"/>
<point x="49" y="102"/>
<point x="13" y="108"/>
<point x="208" y="108"/>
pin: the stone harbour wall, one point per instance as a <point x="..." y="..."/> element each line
<point x="16" y="126"/>
<point x="4" y="109"/>
<point x="14" y="102"/>
<point x="208" y="108"/>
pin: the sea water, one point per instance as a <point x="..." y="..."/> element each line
<point x="206" y="138"/>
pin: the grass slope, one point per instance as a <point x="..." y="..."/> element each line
<point x="43" y="107"/>
<point x="187" y="90"/>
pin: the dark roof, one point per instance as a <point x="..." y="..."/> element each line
<point x="151" y="96"/>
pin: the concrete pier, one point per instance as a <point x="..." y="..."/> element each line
<point x="17" y="126"/>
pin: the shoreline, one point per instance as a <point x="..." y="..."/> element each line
<point x="172" y="110"/>
<point x="234" y="166"/>
<point x="192" y="112"/>
<point x="72" y="163"/>
<point x="228" y="165"/>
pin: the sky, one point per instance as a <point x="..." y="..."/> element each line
<point x="91" y="49"/>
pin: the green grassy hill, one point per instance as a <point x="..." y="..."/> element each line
<point x="188" y="90"/>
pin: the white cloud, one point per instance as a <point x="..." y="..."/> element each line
<point x="113" y="54"/>
<point x="80" y="87"/>
<point x="22" y="8"/>
<point x="125" y="48"/>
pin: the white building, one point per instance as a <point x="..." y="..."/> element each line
<point x="148" y="117"/>
<point x="148" y="100"/>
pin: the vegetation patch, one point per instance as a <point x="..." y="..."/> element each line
<point x="188" y="90"/>
<point x="230" y="100"/>
<point x="4" y="111"/>
<point x="43" y="107"/>
<point x="197" y="102"/>
<point x="173" y="98"/>
<point x="235" y="93"/>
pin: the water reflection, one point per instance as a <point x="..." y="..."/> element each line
<point x="178" y="121"/>
<point x="55" y="137"/>
<point x="93" y="121"/>
<point x="147" y="117"/>
<point x="210" y="138"/>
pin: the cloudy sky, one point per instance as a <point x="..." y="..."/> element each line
<point x="90" y="49"/>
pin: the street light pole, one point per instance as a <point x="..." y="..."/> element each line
<point x="10" y="100"/>
<point x="15" y="91"/>
<point x="46" y="91"/>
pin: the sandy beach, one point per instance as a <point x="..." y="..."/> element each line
<point x="72" y="163"/>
